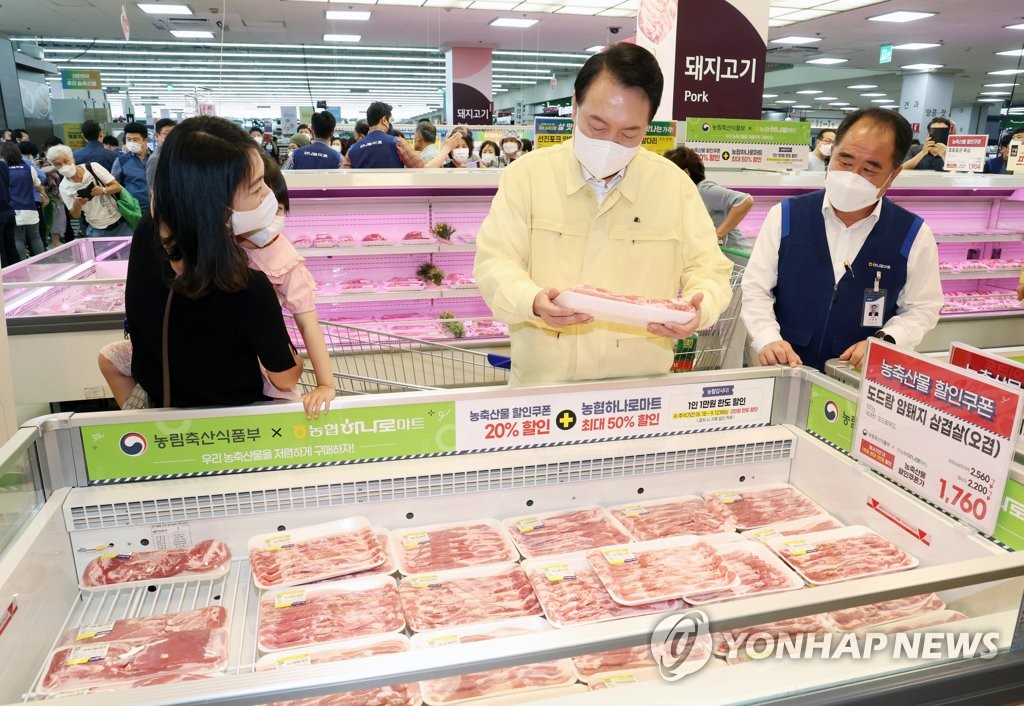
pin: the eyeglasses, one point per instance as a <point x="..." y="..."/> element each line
<point x="827" y="140"/>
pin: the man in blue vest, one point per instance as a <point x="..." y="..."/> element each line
<point x="318" y="153"/>
<point x="130" y="168"/>
<point x="94" y="151"/>
<point x="824" y="259"/>
<point x="380" y="149"/>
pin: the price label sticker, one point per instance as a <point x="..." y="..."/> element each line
<point x="302" y="660"/>
<point x="444" y="640"/>
<point x="115" y="555"/>
<point x="278" y="542"/>
<point x="618" y="555"/>
<point x="88" y="653"/>
<point x="729" y="496"/>
<point x="430" y="581"/>
<point x="798" y="547"/>
<point x="88" y="632"/>
<point x="528" y="524"/>
<point x="558" y="572"/>
<point x="415" y="539"/>
<point x="634" y="511"/>
<point x="616" y="680"/>
<point x="766" y="533"/>
<point x="287" y="599"/>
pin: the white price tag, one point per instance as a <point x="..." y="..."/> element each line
<point x="634" y="511"/>
<point x="559" y="572"/>
<point x="729" y="496"/>
<point x="415" y="539"/>
<point x="171" y="535"/>
<point x="798" y="547"/>
<point x="529" y="524"/>
<point x="287" y="599"/>
<point x="277" y="542"/>
<point x="430" y="581"/>
<point x="90" y="631"/>
<point x="618" y="555"/>
<point x="444" y="640"/>
<point x="294" y="661"/>
<point x="88" y="653"/>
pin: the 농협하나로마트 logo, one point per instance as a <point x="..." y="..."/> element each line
<point x="677" y="644"/>
<point x="133" y="444"/>
<point x="831" y="411"/>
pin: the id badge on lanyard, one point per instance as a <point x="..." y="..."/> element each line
<point x="874" y="305"/>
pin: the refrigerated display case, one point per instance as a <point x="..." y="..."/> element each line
<point x="95" y="508"/>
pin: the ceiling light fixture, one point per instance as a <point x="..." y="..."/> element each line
<point x="1000" y="85"/>
<point x="825" y="98"/>
<point x="1020" y="26"/>
<point x="810" y="92"/>
<point x="991" y="100"/>
<point x="841" y="103"/>
<point x="191" y="34"/>
<point x="801" y="106"/>
<point x="883" y="100"/>
<point x="785" y="102"/>
<point x="342" y="37"/>
<point x="901" y="16"/>
<point x="915" y="46"/>
<point x="795" y="40"/>
<point x="921" y="67"/>
<point x="858" y="86"/>
<point x="151" y="9"/>
<point x="872" y="95"/>
<point x="995" y="93"/>
<point x="1006" y="72"/>
<point x="769" y="95"/>
<point x="515" y="22"/>
<point x="826" y="61"/>
<point x="594" y="49"/>
<point x="348" y="15"/>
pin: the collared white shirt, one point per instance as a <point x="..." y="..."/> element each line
<point x="601" y="187"/>
<point x="917" y="304"/>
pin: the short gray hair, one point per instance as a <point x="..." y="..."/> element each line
<point x="59" y="151"/>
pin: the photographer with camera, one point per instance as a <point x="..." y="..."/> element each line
<point x="933" y="154"/>
<point x="90" y="190"/>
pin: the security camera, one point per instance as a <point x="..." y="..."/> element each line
<point x="614" y="30"/>
<point x="220" y="25"/>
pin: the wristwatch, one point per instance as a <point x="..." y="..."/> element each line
<point x="882" y="335"/>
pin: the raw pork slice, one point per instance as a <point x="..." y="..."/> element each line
<point x="329" y="612"/>
<point x="416" y="235"/>
<point x="571" y="593"/>
<point x="840" y="555"/>
<point x="207" y="559"/>
<point x="806" y="525"/>
<point x="629" y="309"/>
<point x="388" y="567"/>
<point x="639" y="657"/>
<point x="450" y="546"/>
<point x="313" y="553"/>
<point x="467" y="596"/>
<point x="734" y="644"/>
<point x="564" y="532"/>
<point x="449" y="690"/>
<point x="112" y="662"/>
<point x="920" y="622"/>
<point x="146" y="628"/>
<point x="374" y="239"/>
<point x="867" y="616"/>
<point x="660" y="570"/>
<point x="750" y="508"/>
<point x="758" y="569"/>
<point x="392" y="695"/>
<point x="673" y="517"/>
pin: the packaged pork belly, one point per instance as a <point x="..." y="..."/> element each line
<point x="451" y="545"/>
<point x="756" y="506"/>
<point x="206" y="560"/>
<point x="628" y="309"/>
<point x="145" y="628"/>
<point x="564" y="531"/>
<point x="313" y="553"/>
<point x="841" y="554"/>
<point x="672" y="517"/>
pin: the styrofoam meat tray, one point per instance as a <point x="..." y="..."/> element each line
<point x="620" y="312"/>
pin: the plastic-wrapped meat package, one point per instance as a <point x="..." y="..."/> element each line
<point x="758" y="569"/>
<point x="920" y="622"/>
<point x="494" y="682"/>
<point x="734" y="644"/>
<point x="323" y="240"/>
<point x="757" y="506"/>
<point x="313" y="553"/>
<point x="467" y="596"/>
<point x="486" y="328"/>
<point x="640" y="657"/>
<point x="207" y="560"/>
<point x="565" y="531"/>
<point x="146" y="628"/>
<point x="357" y="285"/>
<point x="454" y="545"/>
<point x="571" y="593"/>
<point x="388" y="567"/>
<point x="329" y="612"/>
<point x="672" y="517"/>
<point x="117" y="662"/>
<point x="841" y="554"/>
<point x="806" y="525"/>
<point x="415" y="236"/>
<point x="628" y="309"/>
<point x="661" y="569"/>
<point x="867" y="616"/>
<point x="457" y="280"/>
<point x="344" y="240"/>
<point x="375" y="239"/>
<point x="302" y="241"/>
<point x="391" y="695"/>
<point x="402" y="284"/>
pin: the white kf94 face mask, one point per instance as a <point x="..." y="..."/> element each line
<point x="243" y="222"/>
<point x="264" y="235"/>
<point x="826" y="148"/>
<point x="849" y="191"/>
<point x="602" y="158"/>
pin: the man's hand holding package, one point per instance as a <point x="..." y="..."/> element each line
<point x="675" y="331"/>
<point x="556" y="316"/>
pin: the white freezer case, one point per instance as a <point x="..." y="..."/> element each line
<point x="41" y="570"/>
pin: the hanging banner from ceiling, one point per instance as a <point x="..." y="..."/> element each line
<point x="80" y="79"/>
<point x="468" y="74"/>
<point x="716" y="65"/>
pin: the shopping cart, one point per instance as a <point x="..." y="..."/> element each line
<point x="366" y="361"/>
<point x="721" y="344"/>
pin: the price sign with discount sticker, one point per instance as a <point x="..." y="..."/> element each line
<point x="943" y="432"/>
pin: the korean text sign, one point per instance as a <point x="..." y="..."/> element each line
<point x="965" y="153"/>
<point x="660" y="137"/>
<point x="762" y="144"/>
<point x="946" y="434"/>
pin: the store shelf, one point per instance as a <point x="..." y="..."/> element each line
<point x="376" y="295"/>
<point x="980" y="274"/>
<point x="981" y="238"/>
<point x="396" y="249"/>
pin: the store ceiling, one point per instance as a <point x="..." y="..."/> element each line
<point x="399" y="57"/>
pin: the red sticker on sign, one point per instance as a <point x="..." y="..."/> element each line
<point x="5" y="617"/>
<point x="876" y="453"/>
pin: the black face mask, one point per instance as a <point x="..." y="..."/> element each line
<point x="391" y="127"/>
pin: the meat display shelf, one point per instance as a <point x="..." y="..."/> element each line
<point x="972" y="573"/>
<point x="980" y="274"/>
<point x="378" y="295"/>
<point x="980" y="238"/>
<point x="393" y="249"/>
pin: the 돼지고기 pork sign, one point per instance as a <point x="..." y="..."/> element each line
<point x="946" y="434"/>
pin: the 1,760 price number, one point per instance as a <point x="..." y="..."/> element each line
<point x="963" y="498"/>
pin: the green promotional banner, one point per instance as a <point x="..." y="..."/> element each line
<point x="831" y="417"/>
<point x="660" y="137"/>
<point x="762" y="132"/>
<point x="186" y="447"/>
<point x="80" y="79"/>
<point x="1010" y="522"/>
